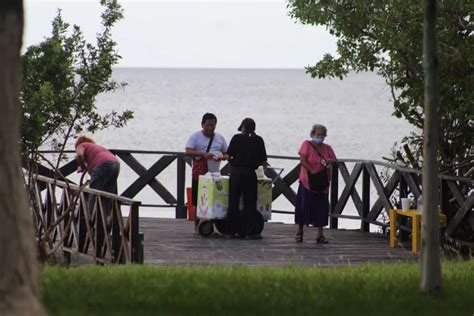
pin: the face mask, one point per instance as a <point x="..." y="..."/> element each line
<point x="318" y="139"/>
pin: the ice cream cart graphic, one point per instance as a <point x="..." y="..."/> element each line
<point x="213" y="202"/>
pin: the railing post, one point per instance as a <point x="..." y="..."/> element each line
<point x="141" y="251"/>
<point x="82" y="227"/>
<point x="116" y="240"/>
<point x="404" y="234"/>
<point x="180" y="187"/>
<point x="333" y="221"/>
<point x="100" y="234"/>
<point x="403" y="189"/>
<point x="49" y="202"/>
<point x="444" y="206"/>
<point x="67" y="230"/>
<point x="364" y="225"/>
<point x="134" y="234"/>
<point x="444" y="189"/>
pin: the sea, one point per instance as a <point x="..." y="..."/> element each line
<point x="168" y="105"/>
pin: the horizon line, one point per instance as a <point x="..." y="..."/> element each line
<point x="211" y="68"/>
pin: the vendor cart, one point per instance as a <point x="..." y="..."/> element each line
<point x="213" y="202"/>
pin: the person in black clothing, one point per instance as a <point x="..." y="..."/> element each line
<point x="247" y="152"/>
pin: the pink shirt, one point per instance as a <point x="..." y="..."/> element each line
<point x="314" y="160"/>
<point x="94" y="155"/>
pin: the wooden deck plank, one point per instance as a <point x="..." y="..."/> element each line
<point x="172" y="242"/>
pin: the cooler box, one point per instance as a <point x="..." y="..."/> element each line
<point x="213" y="196"/>
<point x="264" y="198"/>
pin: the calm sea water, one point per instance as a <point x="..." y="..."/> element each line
<point x="169" y="104"/>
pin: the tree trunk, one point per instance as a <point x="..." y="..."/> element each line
<point x="430" y="280"/>
<point x="18" y="263"/>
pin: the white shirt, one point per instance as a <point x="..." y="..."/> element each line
<point x="198" y="141"/>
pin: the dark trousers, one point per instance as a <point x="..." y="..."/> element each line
<point x="104" y="178"/>
<point x="242" y="183"/>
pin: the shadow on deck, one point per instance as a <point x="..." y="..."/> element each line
<point x="172" y="242"/>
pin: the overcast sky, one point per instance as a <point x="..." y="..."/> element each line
<point x="208" y="34"/>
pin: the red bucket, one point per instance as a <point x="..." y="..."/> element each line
<point x="191" y="208"/>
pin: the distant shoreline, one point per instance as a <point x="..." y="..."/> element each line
<point x="205" y="68"/>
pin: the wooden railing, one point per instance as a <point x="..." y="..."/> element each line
<point x="457" y="198"/>
<point x="359" y="177"/>
<point x="63" y="221"/>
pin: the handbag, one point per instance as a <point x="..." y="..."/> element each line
<point x="200" y="166"/>
<point x="320" y="180"/>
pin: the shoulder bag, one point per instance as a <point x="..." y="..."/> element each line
<point x="320" y="180"/>
<point x="200" y="165"/>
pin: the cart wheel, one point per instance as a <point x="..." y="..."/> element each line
<point x="221" y="226"/>
<point x="257" y="218"/>
<point x="206" y="228"/>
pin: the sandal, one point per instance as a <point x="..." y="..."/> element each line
<point x="299" y="236"/>
<point x="322" y="240"/>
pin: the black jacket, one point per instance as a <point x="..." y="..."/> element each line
<point x="247" y="150"/>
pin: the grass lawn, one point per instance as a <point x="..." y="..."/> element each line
<point x="360" y="290"/>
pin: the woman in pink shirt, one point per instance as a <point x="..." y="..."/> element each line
<point x="102" y="166"/>
<point x="312" y="207"/>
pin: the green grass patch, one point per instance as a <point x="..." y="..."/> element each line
<point x="145" y="290"/>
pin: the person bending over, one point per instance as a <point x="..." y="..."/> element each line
<point x="103" y="168"/>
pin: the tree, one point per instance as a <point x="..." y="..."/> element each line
<point x="18" y="265"/>
<point x="430" y="274"/>
<point x="386" y="36"/>
<point x="62" y="77"/>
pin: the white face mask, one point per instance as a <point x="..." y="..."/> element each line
<point x="318" y="139"/>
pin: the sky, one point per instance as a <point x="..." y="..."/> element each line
<point x="192" y="33"/>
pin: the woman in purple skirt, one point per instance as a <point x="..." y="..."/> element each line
<point x="312" y="207"/>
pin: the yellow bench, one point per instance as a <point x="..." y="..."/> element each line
<point x="415" y="227"/>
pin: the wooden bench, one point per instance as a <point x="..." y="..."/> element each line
<point x="415" y="227"/>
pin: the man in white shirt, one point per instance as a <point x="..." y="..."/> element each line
<point x="207" y="148"/>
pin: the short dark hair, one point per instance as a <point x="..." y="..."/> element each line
<point x="248" y="124"/>
<point x="208" y="116"/>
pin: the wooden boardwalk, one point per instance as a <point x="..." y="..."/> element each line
<point x="172" y="242"/>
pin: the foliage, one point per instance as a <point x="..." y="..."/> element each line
<point x="386" y="36"/>
<point x="62" y="77"/>
<point x="385" y="289"/>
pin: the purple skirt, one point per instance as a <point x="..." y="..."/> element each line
<point x="312" y="208"/>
